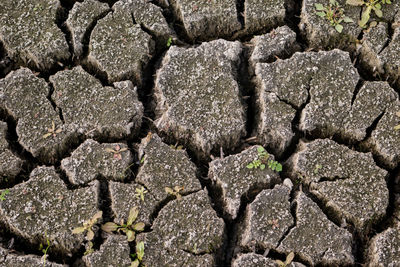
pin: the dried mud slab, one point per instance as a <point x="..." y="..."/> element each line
<point x="198" y="97"/>
<point x="30" y="34"/>
<point x="256" y="260"/>
<point x="126" y="196"/>
<point x="9" y="259"/>
<point x="315" y="239"/>
<point x="279" y="43"/>
<point x="185" y="233"/>
<point x="204" y="20"/>
<point x="384" y="249"/>
<point x="261" y="15"/>
<point x="40" y="131"/>
<point x="320" y="34"/>
<point x="267" y="219"/>
<point x="92" y="159"/>
<point x="10" y="165"/>
<point x="349" y="182"/>
<point x="236" y="181"/>
<point x="118" y="47"/>
<point x="96" y="111"/>
<point x="44" y="208"/>
<point x="82" y="17"/>
<point x="115" y="251"/>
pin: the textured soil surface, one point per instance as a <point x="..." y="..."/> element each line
<point x="243" y="132"/>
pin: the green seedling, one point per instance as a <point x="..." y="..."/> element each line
<point x="169" y="42"/>
<point x="288" y="260"/>
<point x="397" y="127"/>
<point x="88" y="225"/>
<point x="140" y="193"/>
<point x="44" y="250"/>
<point x="334" y="13"/>
<point x="138" y="256"/>
<point x="317" y="168"/>
<point x="89" y="248"/>
<point x="117" y="151"/>
<point x="175" y="191"/>
<point x="129" y="228"/>
<point x="52" y="131"/>
<point x="375" y="5"/>
<point x="274" y="165"/>
<point x="3" y="194"/>
<point x="261" y="159"/>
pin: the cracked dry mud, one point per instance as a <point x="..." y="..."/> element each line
<point x="107" y="105"/>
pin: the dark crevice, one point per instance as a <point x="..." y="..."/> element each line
<point x="359" y="84"/>
<point x="61" y="17"/>
<point x="53" y="104"/>
<point x="292" y="20"/>
<point x="389" y="38"/>
<point x="63" y="176"/>
<point x="177" y="25"/>
<point x="293" y="208"/>
<point x="331" y="179"/>
<point x="240" y="11"/>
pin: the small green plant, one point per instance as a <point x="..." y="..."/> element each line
<point x="397" y="127"/>
<point x="129" y="228"/>
<point x="169" y="42"/>
<point x="89" y="248"/>
<point x="3" y="194"/>
<point x="175" y="191"/>
<point x="262" y="161"/>
<point x="288" y="260"/>
<point x="44" y="249"/>
<point x="52" y="131"/>
<point x="117" y="151"/>
<point x="334" y="13"/>
<point x="88" y="225"/>
<point x="375" y="5"/>
<point x="138" y="256"/>
<point x="140" y="193"/>
<point x="317" y="168"/>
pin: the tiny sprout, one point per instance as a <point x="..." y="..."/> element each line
<point x="3" y="194"/>
<point x="375" y="5"/>
<point x="52" y="131"/>
<point x="129" y="228"/>
<point x="89" y="248"/>
<point x="175" y="191"/>
<point x="260" y="161"/>
<point x="117" y="151"/>
<point x="87" y="226"/>
<point x="317" y="168"/>
<point x="140" y="193"/>
<point x="288" y="260"/>
<point x="274" y="223"/>
<point x="138" y="256"/>
<point x="44" y="250"/>
<point x="334" y="13"/>
<point x="169" y="42"/>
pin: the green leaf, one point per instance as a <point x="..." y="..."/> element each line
<point x="78" y="230"/>
<point x="332" y="2"/>
<point x="169" y="41"/>
<point x="339" y="28"/>
<point x="321" y="14"/>
<point x="250" y="166"/>
<point x="378" y="6"/>
<point x="109" y="227"/>
<point x="140" y="250"/>
<point x="378" y="12"/>
<point x="397" y="127"/>
<point x="289" y="258"/>
<point x="135" y="263"/>
<point x="260" y="149"/>
<point x="131" y="235"/>
<point x="133" y="213"/>
<point x="319" y="7"/>
<point x="139" y="226"/>
<point x="90" y="235"/>
<point x="279" y="167"/>
<point x="365" y="17"/>
<point x="348" y="20"/>
<point x="355" y="2"/>
<point x="280" y="263"/>
<point x="262" y="166"/>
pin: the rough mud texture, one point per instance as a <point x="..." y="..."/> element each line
<point x="385" y="248"/>
<point x="348" y="181"/>
<point x="198" y="97"/>
<point x="10" y="165"/>
<point x="44" y="208"/>
<point x="92" y="159"/>
<point x="113" y="252"/>
<point x="9" y="259"/>
<point x="81" y="18"/>
<point x="118" y="47"/>
<point x="108" y="105"/>
<point x="30" y="35"/>
<point x="316" y="239"/>
<point x="94" y="110"/>
<point x="186" y="232"/>
<point x="237" y="182"/>
<point x="207" y="19"/>
<point x="23" y="96"/>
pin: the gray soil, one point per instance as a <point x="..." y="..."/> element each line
<point x="244" y="133"/>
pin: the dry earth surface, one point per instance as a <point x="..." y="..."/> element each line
<point x="161" y="105"/>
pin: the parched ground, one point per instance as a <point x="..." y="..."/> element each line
<point x="166" y="105"/>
